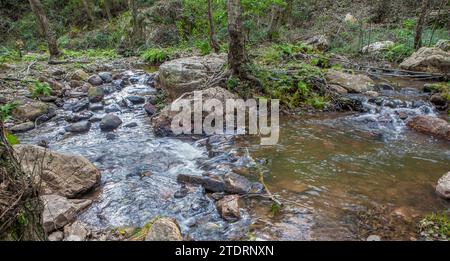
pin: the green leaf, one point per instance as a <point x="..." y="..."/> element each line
<point x="12" y="140"/>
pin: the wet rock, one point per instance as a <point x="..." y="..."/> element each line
<point x="23" y="127"/>
<point x="79" y="127"/>
<point x="426" y="59"/>
<point x="130" y="125"/>
<point x="43" y="143"/>
<point x="164" y="229"/>
<point x="96" y="94"/>
<point x="228" y="208"/>
<point x="76" y="232"/>
<point x="152" y="100"/>
<point x="63" y="174"/>
<point x="96" y="118"/>
<point x="111" y="136"/>
<point x="76" y="117"/>
<point x="120" y="84"/>
<point x="106" y="76"/>
<point x="30" y="110"/>
<point x="56" y="71"/>
<point x="95" y="80"/>
<point x="96" y="107"/>
<point x="353" y="83"/>
<point x="428" y="88"/>
<point x="150" y="109"/>
<point x="188" y="74"/>
<point x="136" y="99"/>
<point x="182" y="192"/>
<point x="443" y="186"/>
<point x="162" y="123"/>
<point x="56" y="236"/>
<point x="438" y="100"/>
<point x="112" y="108"/>
<point x="110" y="122"/>
<point x="384" y="87"/>
<point x="48" y="98"/>
<point x="430" y="125"/>
<point x="236" y="184"/>
<point x="418" y="103"/>
<point x="377" y="47"/>
<point x="210" y="183"/>
<point x="350" y="104"/>
<point x="402" y="115"/>
<point x="79" y="75"/>
<point x="372" y="94"/>
<point x="81" y="105"/>
<point x="60" y="211"/>
<point x="75" y="84"/>
<point x="319" y="42"/>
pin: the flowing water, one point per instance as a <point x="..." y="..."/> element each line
<point x="329" y="167"/>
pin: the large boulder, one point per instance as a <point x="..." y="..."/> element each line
<point x="63" y="174"/>
<point x="443" y="45"/>
<point x="377" y="47"/>
<point x="60" y="211"/>
<point x="96" y="94"/>
<point x="443" y="186"/>
<point x="353" y="83"/>
<point x="430" y="125"/>
<point x="428" y="59"/>
<point x="188" y="74"/>
<point x="162" y="122"/>
<point x="164" y="229"/>
<point x="30" y="110"/>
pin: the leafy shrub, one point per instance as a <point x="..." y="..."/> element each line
<point x="8" y="55"/>
<point x="6" y="111"/>
<point x="157" y="55"/>
<point x="41" y="89"/>
<point x="397" y="52"/>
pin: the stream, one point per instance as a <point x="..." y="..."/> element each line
<point x="330" y="166"/>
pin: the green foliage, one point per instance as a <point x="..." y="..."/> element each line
<point x="157" y="55"/>
<point x="12" y="140"/>
<point x="317" y="102"/>
<point x="6" y="111"/>
<point x="409" y="24"/>
<point x="8" y="55"/>
<point x="41" y="89"/>
<point x="435" y="226"/>
<point x="443" y="89"/>
<point x="92" y="53"/>
<point x="397" y="52"/>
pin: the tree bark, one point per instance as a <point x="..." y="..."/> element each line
<point x="45" y="25"/>
<point x="107" y="5"/>
<point x="88" y="10"/>
<point x="236" y="53"/>
<point x="274" y="22"/>
<point x="20" y="205"/>
<point x="134" y="13"/>
<point x="212" y="33"/>
<point x="420" y="23"/>
<point x="287" y="14"/>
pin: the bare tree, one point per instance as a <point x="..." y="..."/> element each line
<point x="46" y="27"/>
<point x="134" y="13"/>
<point x="88" y="9"/>
<point x="212" y="34"/>
<point x="107" y="5"/>
<point x="420" y="23"/>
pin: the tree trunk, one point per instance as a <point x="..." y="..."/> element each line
<point x="45" y="25"/>
<point x="212" y="34"/>
<point x="420" y="23"/>
<point x="107" y="5"/>
<point x="88" y="10"/>
<point x="20" y="205"/>
<point x="287" y="14"/>
<point x="236" y="53"/>
<point x="274" y="22"/>
<point x="134" y="13"/>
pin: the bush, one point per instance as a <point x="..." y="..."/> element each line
<point x="435" y="226"/>
<point x="397" y="52"/>
<point x="157" y="55"/>
<point x="41" y="89"/>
